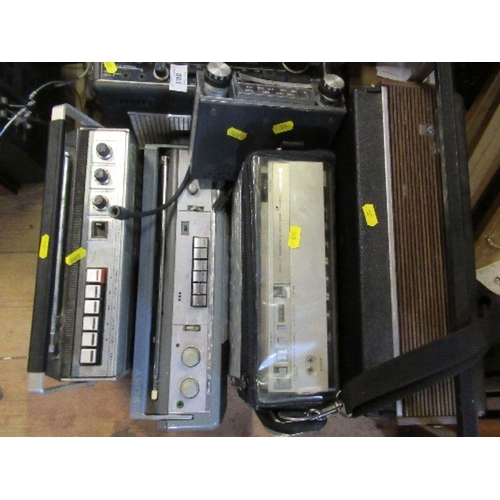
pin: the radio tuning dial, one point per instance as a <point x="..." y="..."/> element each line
<point x="103" y="151"/>
<point x="101" y="176"/>
<point x="219" y="71"/>
<point x="189" y="388"/>
<point x="161" y="71"/>
<point x="190" y="356"/>
<point x="331" y="87"/>
<point x="217" y="79"/>
<point x="100" y="202"/>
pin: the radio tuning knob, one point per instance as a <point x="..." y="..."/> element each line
<point x="219" y="71"/>
<point x="100" y="202"/>
<point x="103" y="151"/>
<point x="101" y="176"/>
<point x="189" y="388"/>
<point x="217" y="79"/>
<point x="190" y="356"/>
<point x="331" y="88"/>
<point x="161" y="71"/>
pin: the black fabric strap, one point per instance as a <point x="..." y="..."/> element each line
<point x="422" y="367"/>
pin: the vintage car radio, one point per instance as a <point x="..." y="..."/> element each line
<point x="84" y="296"/>
<point x="236" y="113"/>
<point x="182" y="302"/>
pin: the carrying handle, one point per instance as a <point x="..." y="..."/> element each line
<point x="426" y="365"/>
<point x="405" y="374"/>
<point x="65" y="111"/>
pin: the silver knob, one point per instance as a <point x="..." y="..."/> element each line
<point x="219" y="71"/>
<point x="331" y="87"/>
<point x="190" y="356"/>
<point x="189" y="388"/>
<point x="217" y="79"/>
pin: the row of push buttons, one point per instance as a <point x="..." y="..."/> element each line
<point x="199" y="278"/>
<point x="93" y="305"/>
<point x="191" y="356"/>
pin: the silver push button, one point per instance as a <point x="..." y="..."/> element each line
<point x="199" y="276"/>
<point x="88" y="357"/>
<point x="199" y="242"/>
<point x="91" y="307"/>
<point x="89" y="339"/>
<point x="200" y="253"/>
<point x="90" y="323"/>
<point x="200" y="265"/>
<point x="199" y="288"/>
<point x="93" y="291"/>
<point x="199" y="300"/>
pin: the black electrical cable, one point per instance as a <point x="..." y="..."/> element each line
<point x="31" y="98"/>
<point x="121" y="213"/>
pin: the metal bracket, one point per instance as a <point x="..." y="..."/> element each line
<point x="36" y="385"/>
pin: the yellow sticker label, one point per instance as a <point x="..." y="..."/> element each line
<point x="236" y="134"/>
<point x="294" y="236"/>
<point x="44" y="246"/>
<point x="279" y="128"/>
<point x="75" y="256"/>
<point x="370" y="214"/>
<point x="110" y="67"/>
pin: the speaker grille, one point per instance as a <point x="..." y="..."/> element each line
<point x="153" y="128"/>
<point x="419" y="236"/>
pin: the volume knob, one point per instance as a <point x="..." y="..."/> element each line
<point x="101" y="176"/>
<point x="100" y="202"/>
<point x="190" y="356"/>
<point x="189" y="388"/>
<point x="103" y="151"/>
<point x="219" y="71"/>
<point x="331" y="87"/>
<point x="161" y="71"/>
<point x="217" y="79"/>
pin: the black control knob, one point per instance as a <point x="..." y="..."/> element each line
<point x="101" y="176"/>
<point x="103" y="151"/>
<point x="161" y="71"/>
<point x="217" y="78"/>
<point x="331" y="87"/>
<point x="100" y="202"/>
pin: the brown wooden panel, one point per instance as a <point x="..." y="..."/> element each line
<point x="485" y="159"/>
<point x="419" y="236"/>
<point x="481" y="111"/>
